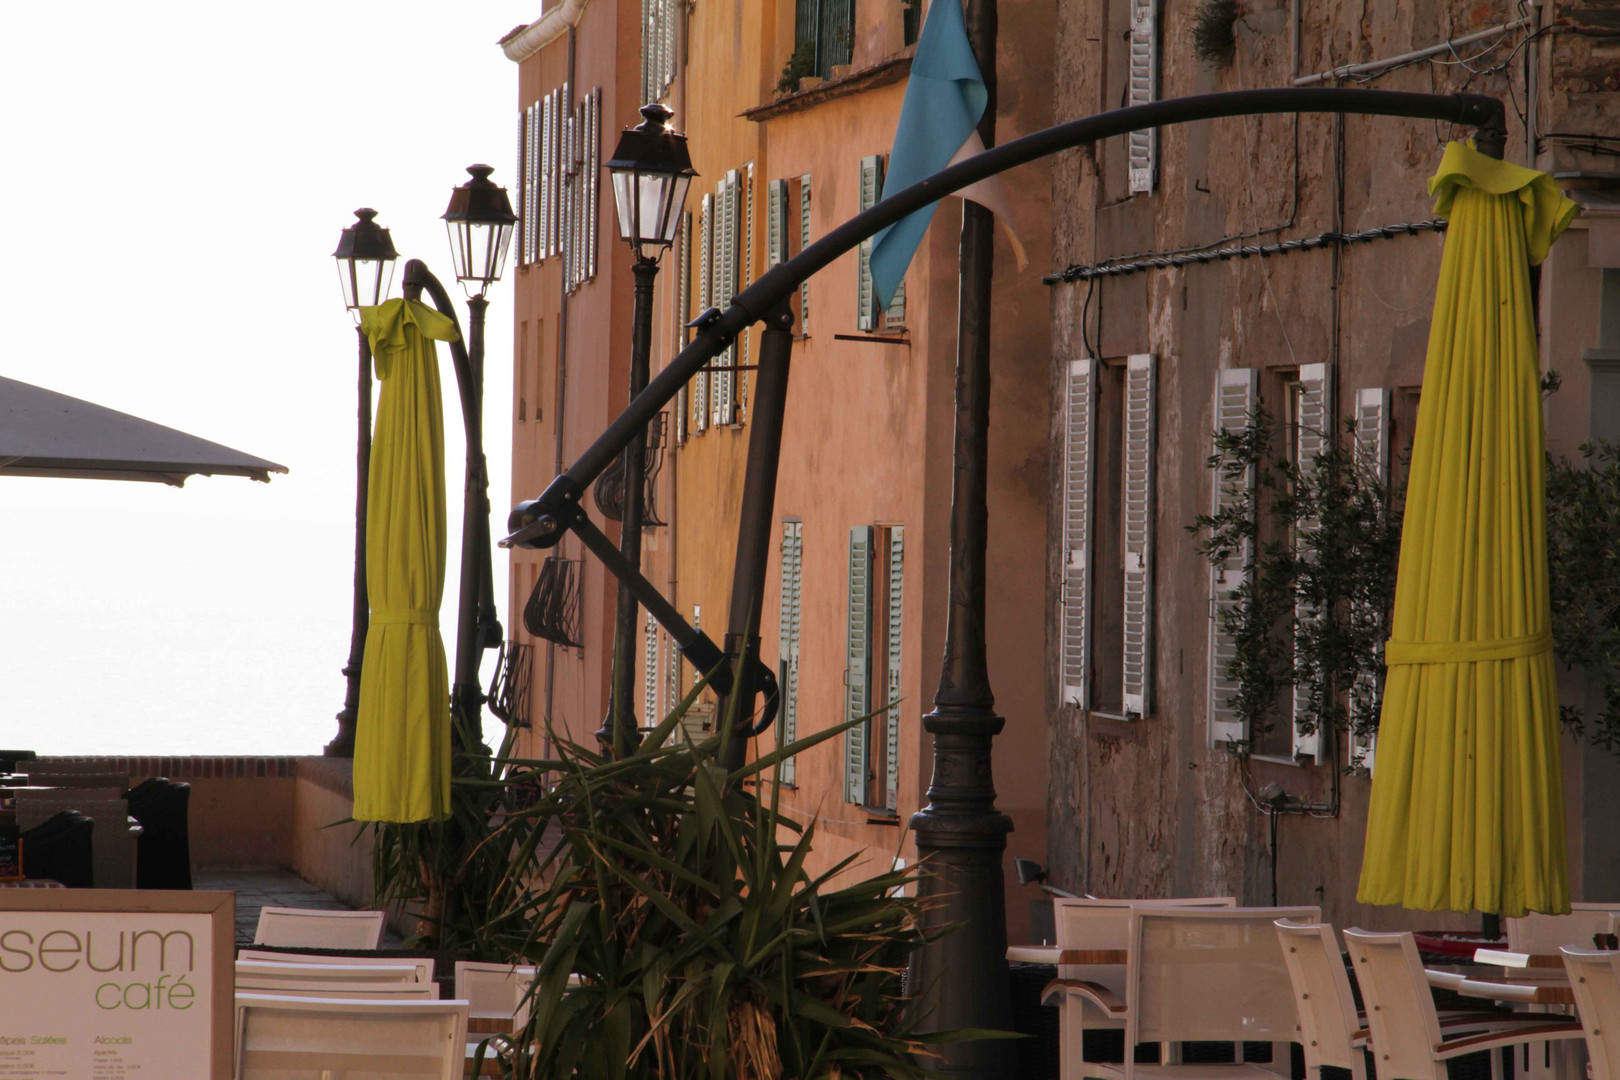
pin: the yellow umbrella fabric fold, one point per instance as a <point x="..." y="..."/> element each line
<point x="1467" y="800"/>
<point x="402" y="732"/>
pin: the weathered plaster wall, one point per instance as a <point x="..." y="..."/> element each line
<point x="1145" y="808"/>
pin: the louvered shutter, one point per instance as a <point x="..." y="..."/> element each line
<point x="858" y="663"/>
<point x="891" y="783"/>
<point x="649" y="676"/>
<point x="1372" y="459"/>
<point x="1079" y="467"/>
<point x="525" y="190"/>
<point x="672" y="671"/>
<point x="775" y="222"/>
<point x="700" y="381"/>
<point x="648" y="59"/>
<point x="865" y="296"/>
<point x="787" y="674"/>
<point x="745" y="201"/>
<point x="804" y="242"/>
<point x="1143" y="146"/>
<point x="721" y="383"/>
<point x="1141" y="389"/>
<point x="683" y="315"/>
<point x="543" y="231"/>
<point x="671" y="13"/>
<point x="1235" y="392"/>
<point x="1313" y="435"/>
<point x="593" y="178"/>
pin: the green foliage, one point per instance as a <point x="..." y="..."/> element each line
<point x="1583" y="522"/>
<point x="703" y="947"/>
<point x="1214" y="40"/>
<point x="1320" y="546"/>
<point x="800" y="64"/>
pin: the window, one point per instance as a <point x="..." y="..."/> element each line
<point x="682" y="308"/>
<point x="523" y="370"/>
<point x="823" y="34"/>
<point x="560" y="163"/>
<point x="787" y="232"/>
<point x="868" y="317"/>
<point x="787" y="664"/>
<point x="650" y="714"/>
<point x="1108" y="527"/>
<point x="658" y="38"/>
<point x="725" y="261"/>
<point x="872" y="668"/>
<point x="1236" y="393"/>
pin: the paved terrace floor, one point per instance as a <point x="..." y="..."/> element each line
<point x="257" y="889"/>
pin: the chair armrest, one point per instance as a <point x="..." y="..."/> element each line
<point x="1496" y="991"/>
<point x="1099" y="995"/>
<point x="1493" y="1040"/>
<point x="1445" y="980"/>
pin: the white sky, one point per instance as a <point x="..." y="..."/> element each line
<point x="175" y="177"/>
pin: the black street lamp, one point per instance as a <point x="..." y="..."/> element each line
<point x="651" y="171"/>
<point x="365" y="260"/>
<point x="479" y="221"/>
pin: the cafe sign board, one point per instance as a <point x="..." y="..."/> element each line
<point x="115" y="984"/>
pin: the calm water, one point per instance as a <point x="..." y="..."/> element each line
<point x="169" y="634"/>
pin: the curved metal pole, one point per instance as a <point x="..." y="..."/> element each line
<point x="475" y="603"/>
<point x="342" y="744"/>
<point x="541" y="523"/>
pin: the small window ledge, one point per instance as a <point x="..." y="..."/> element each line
<point x="889" y="70"/>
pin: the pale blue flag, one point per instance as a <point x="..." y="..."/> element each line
<point x="944" y="100"/>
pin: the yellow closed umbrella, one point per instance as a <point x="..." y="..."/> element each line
<point x="402" y="731"/>
<point x="1467" y="801"/>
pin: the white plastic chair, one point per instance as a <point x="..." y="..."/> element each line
<point x="259" y="974"/>
<point x="422" y="967"/>
<point x="313" y="928"/>
<point x="1595" y="978"/>
<point x="1546" y="934"/>
<point x="1406" y="1037"/>
<point x="1205" y="975"/>
<point x="494" y="990"/>
<point x="326" y="988"/>
<point x="1090" y="923"/>
<point x="290" y="1038"/>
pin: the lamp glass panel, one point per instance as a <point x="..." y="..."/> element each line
<point x="677" y="202"/>
<point x="624" y="201"/>
<point x="479" y="249"/>
<point x="365" y="281"/>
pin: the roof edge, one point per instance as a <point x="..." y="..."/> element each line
<point x="524" y="42"/>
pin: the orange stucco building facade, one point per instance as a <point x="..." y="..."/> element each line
<point x="866" y="454"/>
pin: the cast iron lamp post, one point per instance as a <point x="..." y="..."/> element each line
<point x="365" y="260"/>
<point x="479" y="222"/>
<point x="651" y="171"/>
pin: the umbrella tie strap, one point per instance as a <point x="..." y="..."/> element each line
<point x="1464" y="652"/>
<point x="404" y="617"/>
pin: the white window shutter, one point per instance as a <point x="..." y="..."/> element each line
<point x="672" y="671"/>
<point x="804" y="242"/>
<point x="895" y="634"/>
<point x="1141" y="388"/>
<point x="1372" y="459"/>
<point x="720" y="279"/>
<point x="593" y="177"/>
<point x="683" y="315"/>
<point x="649" y="59"/>
<point x="525" y="177"/>
<point x="865" y="296"/>
<point x="667" y="76"/>
<point x="700" y="381"/>
<point x="775" y="222"/>
<point x="1079" y="469"/>
<point x="649" y="676"/>
<point x="858" y="663"/>
<point x="1235" y="393"/>
<point x="1143" y="146"/>
<point x="1314" y="434"/>
<point x="787" y="673"/>
<point x="745" y="200"/>
<point x="543" y="229"/>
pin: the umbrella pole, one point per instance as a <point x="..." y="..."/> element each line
<point x="342" y="744"/>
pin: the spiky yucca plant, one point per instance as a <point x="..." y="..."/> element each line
<point x="703" y="948"/>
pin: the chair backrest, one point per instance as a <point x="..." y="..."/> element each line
<point x="323" y="988"/>
<point x="112" y="845"/>
<point x="1546" y="934"/>
<point x="1595" y="978"/>
<point x="493" y="990"/>
<point x="265" y="973"/>
<point x="420" y="966"/>
<point x="314" y="928"/>
<point x="1210" y="974"/>
<point x="1400" y="1007"/>
<point x="279" y="1038"/>
<point x="1327" y="1009"/>
<point x="1089" y="923"/>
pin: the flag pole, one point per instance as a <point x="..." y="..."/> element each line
<point x="961" y="836"/>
